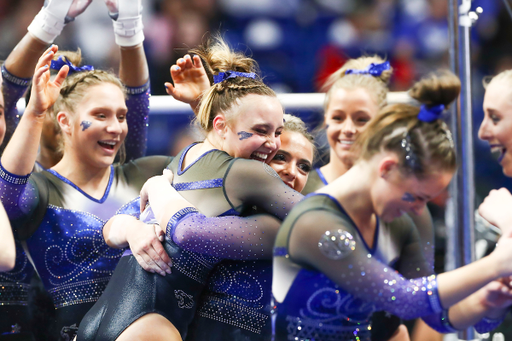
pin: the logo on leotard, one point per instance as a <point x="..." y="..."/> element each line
<point x="185" y="301"/>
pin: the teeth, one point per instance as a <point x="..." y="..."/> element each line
<point x="498" y="152"/>
<point x="112" y="143"/>
<point x="260" y="155"/>
<point x="347" y="142"/>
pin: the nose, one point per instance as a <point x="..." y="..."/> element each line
<point x="273" y="142"/>
<point x="348" y="127"/>
<point x="114" y="126"/>
<point x="484" y="131"/>
<point x="290" y="170"/>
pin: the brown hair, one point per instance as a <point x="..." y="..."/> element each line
<point x="423" y="147"/>
<point x="377" y="87"/>
<point x="218" y="57"/>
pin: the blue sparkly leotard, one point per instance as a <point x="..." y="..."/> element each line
<point x="311" y="306"/>
<point x="217" y="184"/>
<point x="15" y="284"/>
<point x="123" y="180"/>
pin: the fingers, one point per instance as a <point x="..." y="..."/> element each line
<point x="154" y="259"/>
<point x="61" y="76"/>
<point x="160" y="234"/>
<point x="46" y="57"/>
<point x="197" y="62"/>
<point x="169" y="88"/>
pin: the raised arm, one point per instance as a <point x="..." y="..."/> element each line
<point x="18" y="68"/>
<point x="25" y="140"/>
<point x="7" y="246"/>
<point x="133" y="71"/>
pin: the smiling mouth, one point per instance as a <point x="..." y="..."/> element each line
<point x="259" y="156"/>
<point x="498" y="152"/>
<point x="349" y="143"/>
<point x="107" y="144"/>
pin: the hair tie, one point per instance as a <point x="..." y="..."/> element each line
<point x="373" y="69"/>
<point x="60" y="62"/>
<point x="430" y="113"/>
<point x="222" y="76"/>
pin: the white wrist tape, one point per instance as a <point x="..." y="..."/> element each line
<point x="128" y="27"/>
<point x="49" y="22"/>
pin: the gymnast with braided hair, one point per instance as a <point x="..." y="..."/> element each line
<point x="334" y="258"/>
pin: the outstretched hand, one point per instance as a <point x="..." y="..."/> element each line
<point x="190" y="80"/>
<point x="45" y="92"/>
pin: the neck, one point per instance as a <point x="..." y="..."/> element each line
<point x="92" y="180"/>
<point x="335" y="168"/>
<point x="352" y="190"/>
<point x="48" y="157"/>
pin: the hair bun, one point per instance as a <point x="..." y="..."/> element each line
<point x="441" y="87"/>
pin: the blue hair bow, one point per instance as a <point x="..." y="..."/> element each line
<point x="373" y="69"/>
<point x="60" y="62"/>
<point x="222" y="76"/>
<point x="430" y="113"/>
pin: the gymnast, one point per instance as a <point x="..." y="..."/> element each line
<point x="334" y="259"/>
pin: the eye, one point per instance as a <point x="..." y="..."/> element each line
<point x="121" y="118"/>
<point x="279" y="157"/>
<point x="260" y="131"/>
<point x="363" y="120"/>
<point x="1" y="113"/>
<point x="494" y="118"/>
<point x="278" y="133"/>
<point x="305" y="167"/>
<point x="101" y="115"/>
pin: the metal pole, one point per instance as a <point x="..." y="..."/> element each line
<point x="461" y="238"/>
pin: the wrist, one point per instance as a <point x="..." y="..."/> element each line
<point x="46" y="25"/>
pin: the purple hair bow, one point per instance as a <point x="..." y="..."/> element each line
<point x="373" y="69"/>
<point x="222" y="76"/>
<point x="60" y="62"/>
<point x="430" y="113"/>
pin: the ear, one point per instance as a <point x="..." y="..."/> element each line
<point x="65" y="122"/>
<point x="220" y="125"/>
<point x="386" y="165"/>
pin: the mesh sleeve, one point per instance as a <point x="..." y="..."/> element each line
<point x="232" y="237"/>
<point x="326" y="242"/>
<point x="426" y="231"/>
<point x="13" y="89"/>
<point x="19" y="195"/>
<point x="138" y="120"/>
<point x="250" y="182"/>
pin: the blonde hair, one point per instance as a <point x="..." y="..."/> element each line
<point x="75" y="87"/>
<point x="377" y="87"/>
<point x="398" y="129"/>
<point x="502" y="76"/>
<point x="218" y="57"/>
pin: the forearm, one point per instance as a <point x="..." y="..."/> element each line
<point x="117" y="229"/>
<point x="133" y="67"/>
<point x="23" y="58"/>
<point x="24" y="142"/>
<point x="449" y="283"/>
<point x="473" y="309"/>
<point x="165" y="202"/>
<point x="7" y="246"/>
